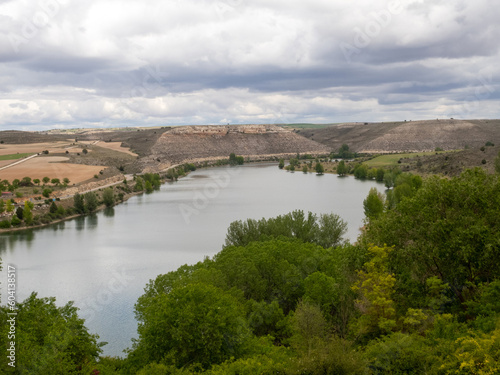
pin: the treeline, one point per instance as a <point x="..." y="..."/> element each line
<point x="419" y="293"/>
<point x="82" y="203"/>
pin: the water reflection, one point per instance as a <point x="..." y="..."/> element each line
<point x="109" y="212"/>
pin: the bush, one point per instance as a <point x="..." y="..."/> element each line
<point x="15" y="221"/>
<point x="4" y="224"/>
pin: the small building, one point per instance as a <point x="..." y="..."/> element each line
<point x="7" y="195"/>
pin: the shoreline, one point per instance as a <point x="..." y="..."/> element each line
<point x="204" y="163"/>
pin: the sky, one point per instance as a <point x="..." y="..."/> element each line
<point x="110" y="63"/>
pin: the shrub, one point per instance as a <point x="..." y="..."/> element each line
<point x="15" y="221"/>
<point x="4" y="224"/>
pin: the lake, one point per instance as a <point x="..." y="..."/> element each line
<point x="103" y="261"/>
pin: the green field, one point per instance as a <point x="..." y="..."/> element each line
<point x="392" y="159"/>
<point x="14" y="156"/>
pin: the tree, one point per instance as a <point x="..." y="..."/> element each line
<point x="319" y="168"/>
<point x="139" y="184"/>
<point x="79" y="203"/>
<point x="2" y="205"/>
<point x="497" y="163"/>
<point x="46" y="180"/>
<point x="375" y="287"/>
<point x="46" y="192"/>
<point x="196" y="324"/>
<point x="305" y="169"/>
<point x="108" y="197"/>
<point x="344" y="152"/>
<point x="27" y="214"/>
<point x="85" y="151"/>
<point x="66" y="180"/>
<point x="53" y="207"/>
<point x="281" y="165"/>
<point x="90" y="201"/>
<point x="54" y="339"/>
<point x="341" y="168"/>
<point x="19" y="213"/>
<point x="9" y="206"/>
<point x="361" y="171"/>
<point x="448" y="229"/>
<point x="373" y="204"/>
<point x="55" y="181"/>
<point x="36" y="181"/>
<point x="26" y="181"/>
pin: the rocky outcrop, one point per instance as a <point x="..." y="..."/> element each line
<point x="199" y="142"/>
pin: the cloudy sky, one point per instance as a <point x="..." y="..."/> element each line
<point x="68" y="63"/>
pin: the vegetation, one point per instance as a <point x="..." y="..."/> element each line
<point x="14" y="156"/>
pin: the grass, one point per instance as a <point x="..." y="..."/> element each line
<point x="14" y="156"/>
<point x="392" y="159"/>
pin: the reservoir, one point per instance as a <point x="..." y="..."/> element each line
<point x="103" y="261"/>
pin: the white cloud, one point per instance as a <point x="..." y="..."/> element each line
<point x="109" y="62"/>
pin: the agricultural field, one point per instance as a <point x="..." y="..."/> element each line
<point x="389" y="160"/>
<point x="14" y="156"/>
<point x="53" y="167"/>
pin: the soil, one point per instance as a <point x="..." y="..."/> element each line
<point x="409" y="136"/>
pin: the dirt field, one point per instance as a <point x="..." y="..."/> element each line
<point x="52" y="167"/>
<point x="52" y="147"/>
<point x="116" y="146"/>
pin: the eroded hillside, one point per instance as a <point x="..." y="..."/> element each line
<point x="410" y="136"/>
<point x="198" y="142"/>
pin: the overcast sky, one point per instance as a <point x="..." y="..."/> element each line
<point x="68" y="64"/>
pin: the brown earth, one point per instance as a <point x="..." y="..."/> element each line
<point x="52" y="167"/>
<point x="410" y="136"/>
<point x="198" y="142"/>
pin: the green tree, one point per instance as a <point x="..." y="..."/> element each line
<point x="36" y="181"/>
<point x="46" y="180"/>
<point x="361" y="171"/>
<point x="305" y="169"/>
<point x="281" y="165"/>
<point x="196" y="324"/>
<point x="319" y="168"/>
<point x="341" y="168"/>
<point x="2" y="205"/>
<point x="373" y="205"/>
<point x="27" y="214"/>
<point x="55" y="181"/>
<point x="376" y="287"/>
<point x="449" y="229"/>
<point x="148" y="187"/>
<point x="53" y="207"/>
<point x="344" y="152"/>
<point x="19" y="213"/>
<point x="46" y="192"/>
<point x="139" y="184"/>
<point x="108" y="197"/>
<point x="50" y="339"/>
<point x="9" y="206"/>
<point x="79" y="203"/>
<point x="90" y="201"/>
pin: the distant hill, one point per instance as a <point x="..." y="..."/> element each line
<point x="197" y="142"/>
<point x="411" y="136"/>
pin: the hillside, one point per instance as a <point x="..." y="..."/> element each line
<point x="411" y="136"/>
<point x="197" y="142"/>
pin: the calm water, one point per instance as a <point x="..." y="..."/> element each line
<point x="103" y="261"/>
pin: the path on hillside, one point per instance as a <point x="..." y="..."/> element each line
<point x="19" y="161"/>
